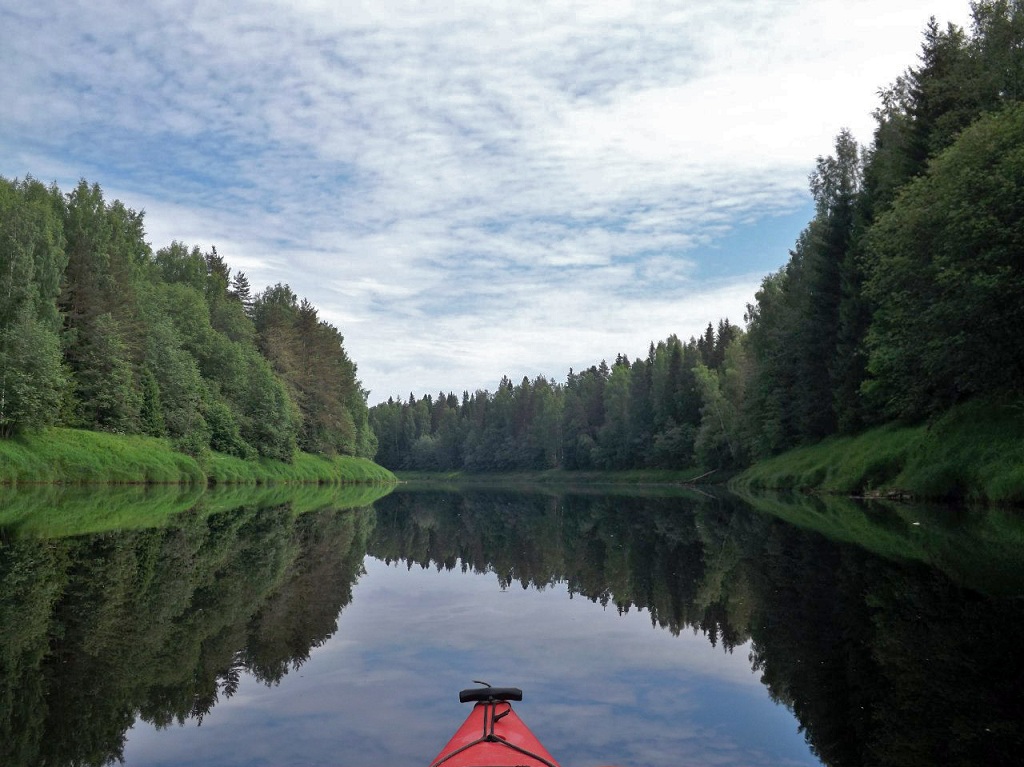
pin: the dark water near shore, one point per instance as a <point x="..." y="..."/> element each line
<point x="682" y="630"/>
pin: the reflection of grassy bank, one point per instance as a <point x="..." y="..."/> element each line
<point x="159" y="624"/>
<point x="981" y="549"/>
<point x="73" y="456"/>
<point x="974" y="452"/>
<point x="49" y="511"/>
<point x="884" y="659"/>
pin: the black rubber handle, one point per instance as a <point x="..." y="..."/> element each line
<point x="490" y="693"/>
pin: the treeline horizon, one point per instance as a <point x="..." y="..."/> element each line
<point x="98" y="331"/>
<point x="903" y="297"/>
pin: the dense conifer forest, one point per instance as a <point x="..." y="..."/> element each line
<point x="903" y="297"/>
<point x="99" y="332"/>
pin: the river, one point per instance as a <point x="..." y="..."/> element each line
<point x="646" y="628"/>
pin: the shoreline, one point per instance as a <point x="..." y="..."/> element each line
<point x="58" y="456"/>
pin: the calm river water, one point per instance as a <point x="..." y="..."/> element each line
<point x="671" y="629"/>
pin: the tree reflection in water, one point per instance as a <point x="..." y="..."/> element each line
<point x="884" y="660"/>
<point x="158" y="624"/>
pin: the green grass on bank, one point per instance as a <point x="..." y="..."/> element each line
<point x="974" y="453"/>
<point x="226" y="469"/>
<point x="73" y="456"/>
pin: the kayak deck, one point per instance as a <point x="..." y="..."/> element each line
<point x="493" y="735"/>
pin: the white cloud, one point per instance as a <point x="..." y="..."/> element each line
<point x="466" y="188"/>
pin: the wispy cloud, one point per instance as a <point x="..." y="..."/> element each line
<point x="465" y="188"/>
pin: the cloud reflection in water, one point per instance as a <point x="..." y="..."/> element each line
<point x="600" y="687"/>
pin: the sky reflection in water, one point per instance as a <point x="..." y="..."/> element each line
<point x="600" y="688"/>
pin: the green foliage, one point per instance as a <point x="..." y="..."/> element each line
<point x="998" y="30"/>
<point x="98" y="332"/>
<point x="180" y="387"/>
<point x="104" y="342"/>
<point x="303" y="468"/>
<point x="179" y="265"/>
<point x="720" y="441"/>
<point x="946" y="277"/>
<point x="974" y="452"/>
<point x="32" y="379"/>
<point x="642" y="414"/>
<point x="105" y="393"/>
<point x="308" y="355"/>
<point x="771" y="324"/>
<point x="79" y="456"/>
<point x="804" y="330"/>
<point x="225" y="432"/>
<point x="270" y="420"/>
<point x="102" y="630"/>
<point x="75" y="456"/>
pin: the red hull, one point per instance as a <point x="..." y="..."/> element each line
<point x="493" y="736"/>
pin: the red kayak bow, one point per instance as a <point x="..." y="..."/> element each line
<point x="493" y="735"/>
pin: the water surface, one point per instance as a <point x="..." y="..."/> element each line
<point x="681" y="630"/>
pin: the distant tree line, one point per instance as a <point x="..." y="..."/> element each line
<point x="903" y="296"/>
<point x="646" y="412"/>
<point x="97" y="331"/>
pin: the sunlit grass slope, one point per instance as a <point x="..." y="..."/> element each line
<point x="75" y="456"/>
<point x="72" y="456"/>
<point x="304" y="468"/>
<point x="975" y="452"/>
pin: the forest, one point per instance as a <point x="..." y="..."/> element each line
<point x="902" y="298"/>
<point x="98" y="331"/>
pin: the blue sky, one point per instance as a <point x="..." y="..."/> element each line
<point x="466" y="189"/>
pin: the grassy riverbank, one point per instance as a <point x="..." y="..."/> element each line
<point x="973" y="453"/>
<point x="72" y="456"/>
